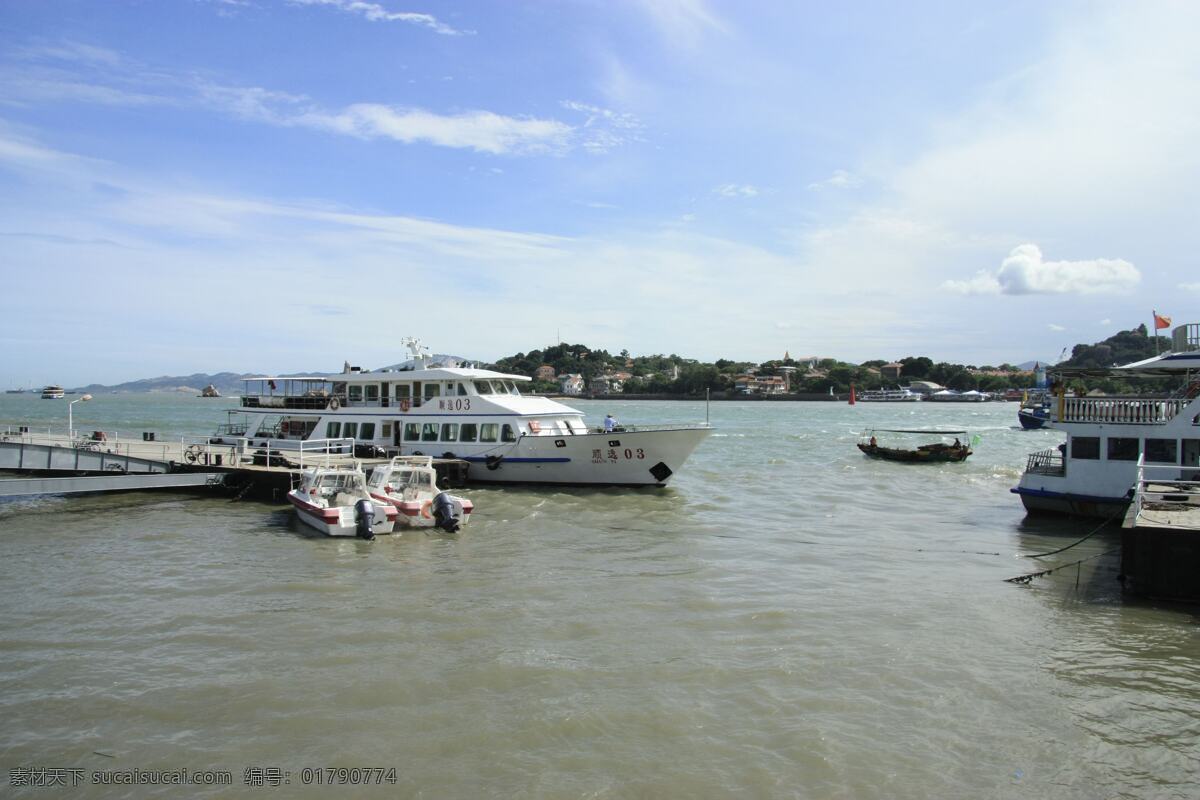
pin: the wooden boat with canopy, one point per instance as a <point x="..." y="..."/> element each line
<point x="901" y="445"/>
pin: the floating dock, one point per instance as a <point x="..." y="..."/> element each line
<point x="1160" y="538"/>
<point x="244" y="469"/>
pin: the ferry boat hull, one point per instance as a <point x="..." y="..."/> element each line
<point x="1037" y="501"/>
<point x="622" y="458"/>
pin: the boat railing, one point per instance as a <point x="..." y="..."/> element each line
<point x="1046" y="462"/>
<point x="1118" y="410"/>
<point x="326" y="452"/>
<point x="1186" y="338"/>
<point x="1159" y="485"/>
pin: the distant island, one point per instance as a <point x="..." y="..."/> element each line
<point x="576" y="369"/>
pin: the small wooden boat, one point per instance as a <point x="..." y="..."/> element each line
<point x="939" y="452"/>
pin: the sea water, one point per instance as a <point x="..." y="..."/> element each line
<point x="787" y="619"/>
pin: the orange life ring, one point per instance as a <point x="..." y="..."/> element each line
<point x="425" y="509"/>
<point x="405" y="404"/>
<point x="334" y="404"/>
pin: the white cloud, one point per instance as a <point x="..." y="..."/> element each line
<point x="840" y="179"/>
<point x="125" y="83"/>
<point x="1025" y="271"/>
<point x="1055" y="327"/>
<point x="1106" y="322"/>
<point x="377" y="13"/>
<point x="1190" y="287"/>
<point x="734" y="190"/>
<point x="483" y="131"/>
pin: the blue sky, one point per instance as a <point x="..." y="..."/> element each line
<point x="260" y="185"/>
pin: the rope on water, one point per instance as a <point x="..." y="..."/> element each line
<point x="1092" y="533"/>
<point x="1032" y="575"/>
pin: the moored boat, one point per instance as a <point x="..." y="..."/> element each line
<point x="897" y="395"/>
<point x="409" y="483"/>
<point x="459" y="411"/>
<point x="1094" y="471"/>
<point x="907" y="451"/>
<point x="335" y="501"/>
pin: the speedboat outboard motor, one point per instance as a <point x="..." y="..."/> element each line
<point x="447" y="515"/>
<point x="364" y="519"/>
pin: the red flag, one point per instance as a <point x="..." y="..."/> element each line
<point x="1161" y="322"/>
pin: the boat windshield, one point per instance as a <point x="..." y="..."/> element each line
<point x="342" y="481"/>
<point x="496" y="386"/>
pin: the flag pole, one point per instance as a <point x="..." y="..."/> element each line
<point x="1154" y="327"/>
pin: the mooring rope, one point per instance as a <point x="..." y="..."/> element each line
<point x="1093" y="532"/>
<point x="1032" y="575"/>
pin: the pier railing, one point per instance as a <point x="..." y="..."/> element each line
<point x="1132" y="411"/>
<point x="1164" y="487"/>
<point x="1046" y="462"/>
<point x="107" y="442"/>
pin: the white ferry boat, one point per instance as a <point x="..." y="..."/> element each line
<point x="898" y="395"/>
<point x="1094" y="472"/>
<point x="53" y="393"/>
<point x="458" y="412"/>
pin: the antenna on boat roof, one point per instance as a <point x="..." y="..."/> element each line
<point x="420" y="353"/>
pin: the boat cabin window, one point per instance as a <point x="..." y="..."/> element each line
<point x="333" y="430"/>
<point x="468" y="432"/>
<point x="429" y="432"/>
<point x="432" y="390"/>
<point x="367" y="430"/>
<point x="511" y="387"/>
<point x="412" y="432"/>
<point x="387" y="430"/>
<point x="372" y="395"/>
<point x="1163" y="451"/>
<point x="355" y="392"/>
<point x="1121" y="448"/>
<point x="462" y="389"/>
<point x="449" y="431"/>
<point x="488" y="432"/>
<point x="483" y="387"/>
<point x="350" y="430"/>
<point x="1087" y="447"/>
<point x="507" y="435"/>
<point x="402" y="391"/>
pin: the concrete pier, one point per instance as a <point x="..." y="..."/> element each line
<point x="1160" y="541"/>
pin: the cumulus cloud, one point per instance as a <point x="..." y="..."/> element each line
<point x="1025" y="271"/>
<point x="1054" y="327"/>
<point x="377" y="13"/>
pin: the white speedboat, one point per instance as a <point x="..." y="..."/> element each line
<point x="410" y="484"/>
<point x="462" y="412"/>
<point x="335" y="501"/>
<point x="53" y="393"/>
<point x="1094" y="472"/>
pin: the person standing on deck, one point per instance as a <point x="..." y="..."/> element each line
<point x="609" y="423"/>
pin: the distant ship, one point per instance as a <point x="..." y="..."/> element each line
<point x="53" y="393"/>
<point x="210" y="391"/>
